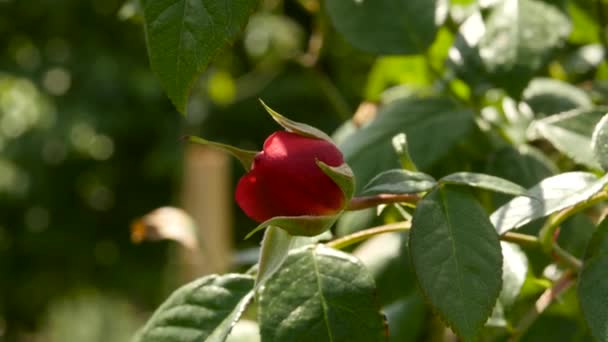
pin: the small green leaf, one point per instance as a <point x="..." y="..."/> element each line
<point x="184" y="35"/>
<point x="399" y="27"/>
<point x="399" y="181"/>
<point x="549" y="196"/>
<point x="204" y="310"/>
<point x="570" y="133"/>
<point x="483" y="181"/>
<point x="599" y="142"/>
<point x="298" y="225"/>
<point x="403" y="151"/>
<point x="456" y="254"/>
<point x="547" y="96"/>
<point x="296" y="127"/>
<point x="320" y="294"/>
<point x="343" y="176"/>
<point x="592" y="286"/>
<point x="244" y="156"/>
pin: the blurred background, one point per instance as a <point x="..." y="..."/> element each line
<point x="89" y="142"/>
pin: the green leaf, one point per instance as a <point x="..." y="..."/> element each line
<point x="320" y="294"/>
<point x="483" y="181"/>
<point x="584" y="28"/>
<point x="547" y="96"/>
<point x="570" y="133"/>
<point x="456" y="254"/>
<point x="592" y="286"/>
<point x="403" y="151"/>
<point x="184" y="35"/>
<point x="275" y="246"/>
<point x="599" y="142"/>
<point x="520" y="37"/>
<point x="432" y="125"/>
<point x="296" y="127"/>
<point x="389" y="71"/>
<point x="399" y="27"/>
<point x="399" y="181"/>
<point x="547" y="197"/>
<point x="244" y="156"/>
<point x="204" y="310"/>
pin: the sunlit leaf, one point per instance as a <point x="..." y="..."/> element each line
<point x="599" y="142"/>
<point x="549" y="196"/>
<point x="399" y="181"/>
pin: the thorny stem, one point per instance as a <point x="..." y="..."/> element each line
<point x="559" y="287"/>
<point x="358" y="203"/>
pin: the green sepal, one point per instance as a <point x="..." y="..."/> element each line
<point x="296" y="127"/>
<point x="244" y="156"/>
<point x="343" y="176"/>
<point x="306" y="225"/>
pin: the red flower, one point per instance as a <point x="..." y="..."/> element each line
<point x="286" y="181"/>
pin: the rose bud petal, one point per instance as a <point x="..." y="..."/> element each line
<point x="285" y="179"/>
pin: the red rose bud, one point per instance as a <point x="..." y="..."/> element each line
<point x="286" y="180"/>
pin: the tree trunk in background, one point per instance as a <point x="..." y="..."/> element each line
<point x="207" y="197"/>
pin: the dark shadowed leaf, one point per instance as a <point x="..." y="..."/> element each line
<point x="184" y="35"/>
<point x="406" y="318"/>
<point x="399" y="181"/>
<point x="456" y="255"/>
<point x="593" y="287"/>
<point x="432" y="126"/>
<point x="204" y="310"/>
<point x="320" y="294"/>
<point x="549" y="196"/>
<point x="483" y="181"/>
<point x="386" y="26"/>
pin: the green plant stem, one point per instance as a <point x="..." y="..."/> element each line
<point x="347" y="240"/>
<point x="558" y="288"/>
<point x="547" y="232"/>
<point x="520" y="239"/>
<point x="364" y="202"/>
<point x="353" y="238"/>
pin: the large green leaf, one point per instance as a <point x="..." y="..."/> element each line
<point x="320" y="294"/>
<point x="184" y="35"/>
<point x="483" y="181"/>
<point x="386" y="26"/>
<point x="593" y="287"/>
<point x="399" y="181"/>
<point x="456" y="255"/>
<point x="599" y="142"/>
<point x="204" y="310"/>
<point x="570" y="133"/>
<point x="520" y="37"/>
<point x="432" y="125"/>
<point x="547" y="96"/>
<point x="547" y="197"/>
